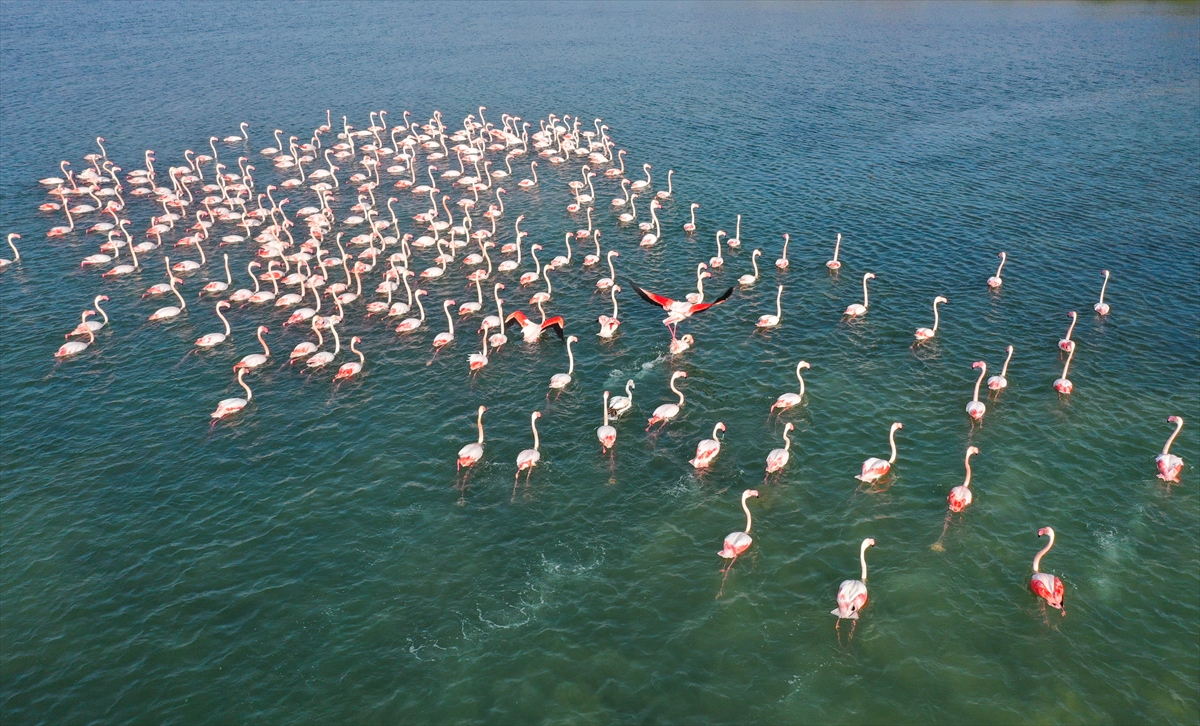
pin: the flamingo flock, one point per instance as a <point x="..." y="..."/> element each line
<point x="313" y="251"/>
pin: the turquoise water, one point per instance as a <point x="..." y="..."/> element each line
<point x="311" y="559"/>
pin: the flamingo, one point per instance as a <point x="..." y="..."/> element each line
<point x="1169" y="465"/>
<point x="778" y="458"/>
<point x="230" y="406"/>
<point x="716" y="262"/>
<point x="473" y="307"/>
<point x="442" y="339"/>
<point x="924" y="334"/>
<point x="606" y="282"/>
<point x="668" y="411"/>
<point x="677" y="312"/>
<point x="666" y="194"/>
<point x="607" y="434"/>
<point x="698" y="296"/>
<point x="1102" y="307"/>
<point x="529" y="183"/>
<point x="708" y="449"/>
<point x="834" y="264"/>
<point x="852" y="594"/>
<point x="681" y="344"/>
<point x="530" y="330"/>
<point x="690" y="227"/>
<point x="307" y="348"/>
<point x="873" y="469"/>
<point x="170" y="311"/>
<point x="410" y="324"/>
<point x="470" y="454"/>
<point x="994" y="282"/>
<point x="559" y="381"/>
<point x="531" y="277"/>
<point x="217" y="285"/>
<point x="641" y="184"/>
<point x="235" y="139"/>
<point x="92" y="325"/>
<point x="976" y="408"/>
<point x="960" y="496"/>
<point x="16" y="254"/>
<point x="255" y="360"/>
<point x="855" y="310"/>
<point x="787" y="400"/>
<point x="477" y="361"/>
<point x="771" y="321"/>
<point x="1044" y="585"/>
<point x="324" y="357"/>
<point x="590" y="259"/>
<point x="737" y="543"/>
<point x="749" y="280"/>
<point x="996" y="383"/>
<point x="619" y="405"/>
<point x="529" y="458"/>
<point x="1066" y="344"/>
<point x="1063" y="385"/>
<point x="211" y="339"/>
<point x="77" y="346"/>
<point x="782" y="262"/>
<point x="352" y="368"/>
<point x="609" y="324"/>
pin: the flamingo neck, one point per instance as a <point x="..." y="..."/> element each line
<point x="263" y="343"/>
<point x="746" y="509"/>
<point x="613" y="294"/>
<point x="1067" y="365"/>
<point x="228" y="330"/>
<point x="242" y="383"/>
<point x="862" y="560"/>
<point x="982" y="373"/>
<point x="754" y="261"/>
<point x="1103" y="288"/>
<point x="1003" y="259"/>
<point x="449" y="320"/>
<point x="1004" y="370"/>
<point x="892" y="441"/>
<point x="1037" y="560"/>
<point x="570" y="359"/>
<point x="787" y="441"/>
<point x="677" y="391"/>
<point x="967" y="481"/>
<point x="866" y="299"/>
<point x="536" y="442"/>
<point x="1074" y="319"/>
<point x="935" y="317"/>
<point x="837" y="247"/>
<point x="606" y="408"/>
<point x="1167" y="446"/>
<point x="337" y="342"/>
<point x="800" y="378"/>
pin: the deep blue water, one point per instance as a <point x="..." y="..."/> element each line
<point x="311" y="559"/>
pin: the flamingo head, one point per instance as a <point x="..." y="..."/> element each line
<point x="868" y="542"/>
<point x="804" y="364"/>
<point x="749" y="493"/>
<point x="1174" y="419"/>
<point x="869" y="276"/>
<point x="897" y="426"/>
<point x="979" y="364"/>
<point x="721" y="427"/>
<point x="1045" y="531"/>
<point x="940" y="299"/>
<point x="1072" y="315"/>
<point x="689" y="339"/>
<point x="971" y="450"/>
<point x="788" y="427"/>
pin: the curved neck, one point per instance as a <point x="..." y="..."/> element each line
<point x="1067" y="365"/>
<point x="892" y="440"/>
<point x="337" y="342"/>
<point x="779" y="303"/>
<point x="613" y="293"/>
<point x="612" y="273"/>
<point x="800" y="367"/>
<point x="1103" y="288"/>
<point x="361" y="358"/>
<point x="676" y="390"/>
<point x="967" y="481"/>
<point x="96" y="304"/>
<point x="1074" y="319"/>
<point x="1003" y="259"/>
<point x="746" y="509"/>
<point x="935" y="316"/>
<point x="263" y="343"/>
<point x="862" y="560"/>
<point x="421" y="308"/>
<point x="182" y="303"/>
<point x="533" y="424"/>
<point x="787" y="441"/>
<point x="449" y="320"/>
<point x="228" y="330"/>
<point x="570" y="358"/>
<point x="1037" y="561"/>
<point x="1004" y="370"/>
<point x="242" y="383"/>
<point x="1167" y="446"/>
<point x="982" y="373"/>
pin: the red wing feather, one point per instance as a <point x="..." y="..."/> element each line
<point x="650" y="297"/>
<point x="556" y="323"/>
<point x="518" y="318"/>
<point x="705" y="306"/>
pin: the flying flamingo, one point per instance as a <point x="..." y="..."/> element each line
<point x="996" y="383"/>
<point x="353" y="367"/>
<point x="873" y="469"/>
<point x="782" y="262"/>
<point x="607" y="434"/>
<point x="708" y="449"/>
<point x="77" y="346"/>
<point x="1066" y="344"/>
<point x="619" y="405"/>
<point x="778" y="458"/>
<point x="668" y="411"/>
<point x="1102" y="307"/>
<point x="771" y="321"/>
<point x="924" y="334"/>
<point x="677" y="312"/>
<point x="976" y="408"/>
<point x="856" y="310"/>
<point x="852" y="594"/>
<point x="960" y="496"/>
<point x="1044" y="585"/>
<point x="994" y="282"/>
<point x="529" y="458"/>
<point x="255" y="360"/>
<point x="231" y="406"/>
<point x="749" y="280"/>
<point x="470" y="454"/>
<point x="609" y="324"/>
<point x="787" y="400"/>
<point x="1063" y="385"/>
<point x="737" y="543"/>
<point x="834" y="264"/>
<point x="1170" y="465"/>
<point x="211" y="339"/>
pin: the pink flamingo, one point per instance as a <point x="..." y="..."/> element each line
<point x="1044" y="585"/>
<point x="211" y="339"/>
<point x="778" y="458"/>
<point x="856" y="310"/>
<point x="924" y="334"/>
<point x="737" y="543"/>
<point x="231" y="406"/>
<point x="255" y="360"/>
<point x="787" y="400"/>
<point x="873" y="469"/>
<point x="996" y="383"/>
<point x="668" y="411"/>
<point x="834" y="264"/>
<point x="852" y="594"/>
<point x="352" y="368"/>
<point x="960" y="496"/>
<point x="78" y="346"/>
<point x="1170" y="465"/>
<point x="470" y="454"/>
<point x="607" y="434"/>
<point x="609" y="324"/>
<point x="994" y="281"/>
<point x="1102" y="307"/>
<point x="1066" y="344"/>
<point x="529" y="458"/>
<point x="690" y="227"/>
<point x="677" y="312"/>
<point x="708" y="449"/>
<point x="1063" y="385"/>
<point x="681" y="344"/>
<point x="976" y="408"/>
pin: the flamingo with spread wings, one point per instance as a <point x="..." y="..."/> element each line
<point x="530" y="330"/>
<point x="677" y="311"/>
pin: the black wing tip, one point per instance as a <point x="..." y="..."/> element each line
<point x="724" y="296"/>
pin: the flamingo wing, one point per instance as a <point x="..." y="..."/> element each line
<point x="518" y="318"/>
<point x="556" y="324"/>
<point x="700" y="307"/>
<point x="650" y="297"/>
